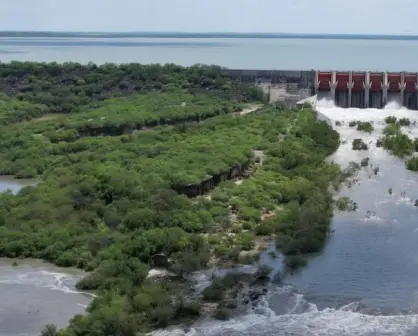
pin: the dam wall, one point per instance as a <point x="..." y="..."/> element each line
<point x="367" y="89"/>
<point x="347" y="89"/>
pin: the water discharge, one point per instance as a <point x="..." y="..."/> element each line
<point x="364" y="282"/>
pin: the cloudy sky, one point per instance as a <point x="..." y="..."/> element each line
<point x="293" y="16"/>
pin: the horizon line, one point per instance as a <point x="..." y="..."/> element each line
<point x="208" y="34"/>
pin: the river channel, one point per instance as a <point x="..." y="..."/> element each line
<point x="34" y="293"/>
<point x="365" y="281"/>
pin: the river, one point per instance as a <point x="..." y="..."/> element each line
<point x="365" y="281"/>
<point x="34" y="293"/>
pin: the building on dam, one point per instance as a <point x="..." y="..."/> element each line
<point x="346" y="88"/>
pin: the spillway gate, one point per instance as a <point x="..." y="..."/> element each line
<point x="367" y="89"/>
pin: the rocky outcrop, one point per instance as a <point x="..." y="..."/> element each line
<point x="193" y="190"/>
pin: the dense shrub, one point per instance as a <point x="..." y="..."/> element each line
<point x="390" y="120"/>
<point x="358" y="144"/>
<point x="110" y="205"/>
<point x="365" y="126"/>
<point x="412" y="164"/>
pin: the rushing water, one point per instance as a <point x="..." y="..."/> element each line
<point x="365" y="281"/>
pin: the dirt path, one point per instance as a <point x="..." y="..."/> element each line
<point x="250" y="108"/>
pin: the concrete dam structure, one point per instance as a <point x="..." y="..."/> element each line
<point x="361" y="89"/>
<point x="367" y="89"/>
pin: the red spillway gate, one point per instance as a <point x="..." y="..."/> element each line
<point x="324" y="79"/>
<point x="410" y="82"/>
<point x="358" y="79"/>
<point x="394" y="82"/>
<point x="342" y="79"/>
<point x="376" y="80"/>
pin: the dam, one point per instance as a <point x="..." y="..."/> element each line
<point x="347" y="89"/>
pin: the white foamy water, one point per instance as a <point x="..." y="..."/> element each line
<point x="34" y="294"/>
<point x="302" y="318"/>
<point x="370" y="264"/>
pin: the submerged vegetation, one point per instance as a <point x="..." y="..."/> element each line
<point x="365" y="126"/>
<point x="398" y="143"/>
<point x="359" y="144"/>
<point x="117" y="203"/>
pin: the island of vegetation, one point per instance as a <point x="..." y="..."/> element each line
<point x="398" y="143"/>
<point x="155" y="166"/>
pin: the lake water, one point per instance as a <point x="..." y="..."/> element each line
<point x="365" y="281"/>
<point x="295" y="54"/>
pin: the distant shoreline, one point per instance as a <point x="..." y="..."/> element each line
<point x="51" y="34"/>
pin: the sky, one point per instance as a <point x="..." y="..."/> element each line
<point x="289" y="16"/>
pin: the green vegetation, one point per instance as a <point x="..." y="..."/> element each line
<point x="365" y="162"/>
<point x="13" y="110"/>
<point x="404" y="122"/>
<point x="358" y="144"/>
<point x="293" y="263"/>
<point x="111" y="204"/>
<point x="399" y="144"/>
<point x="412" y="163"/>
<point x="390" y="120"/>
<point x="119" y="116"/>
<point x="65" y="87"/>
<point x="365" y="126"/>
<point x="345" y="204"/>
<point x="392" y="129"/>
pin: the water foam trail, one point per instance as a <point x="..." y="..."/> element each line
<point x="311" y="321"/>
<point x="42" y="279"/>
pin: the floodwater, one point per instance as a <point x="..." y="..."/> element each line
<point x="365" y="281"/>
<point x="34" y="293"/>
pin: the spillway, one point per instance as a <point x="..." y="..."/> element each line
<point x="367" y="89"/>
<point x="356" y="89"/>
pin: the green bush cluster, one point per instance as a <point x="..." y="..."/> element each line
<point x="13" y="110"/>
<point x="65" y="87"/>
<point x="390" y="120"/>
<point x="365" y="126"/>
<point x="359" y="144"/>
<point x="399" y="144"/>
<point x="119" y="116"/>
<point x="412" y="163"/>
<point x="108" y="204"/>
